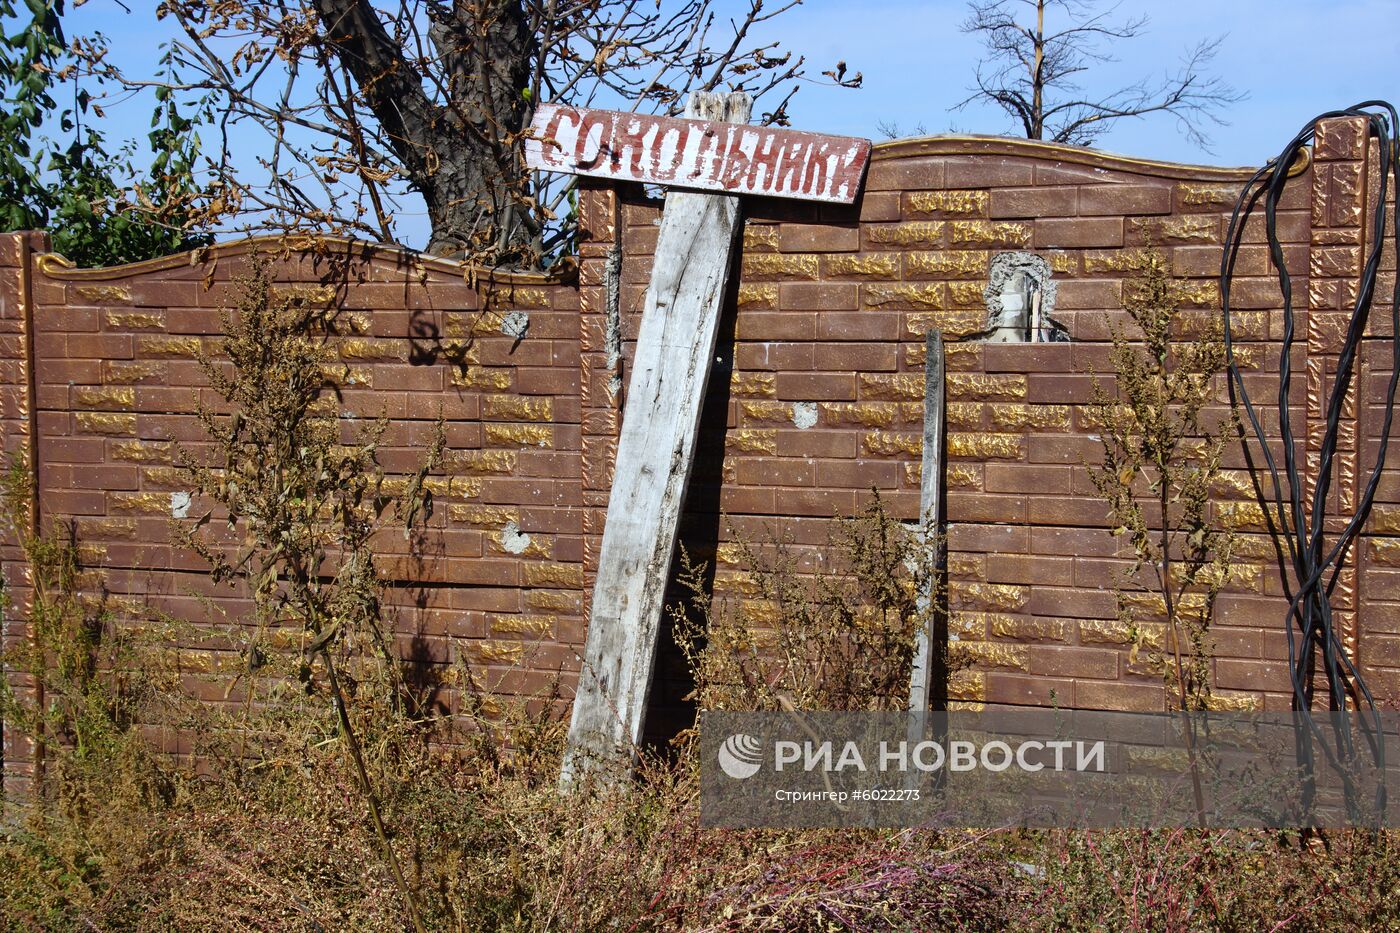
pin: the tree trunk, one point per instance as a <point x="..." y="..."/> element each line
<point x="458" y="145"/>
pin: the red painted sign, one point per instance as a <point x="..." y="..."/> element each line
<point x="729" y="157"/>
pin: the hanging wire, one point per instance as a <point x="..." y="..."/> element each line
<point x="1297" y="514"/>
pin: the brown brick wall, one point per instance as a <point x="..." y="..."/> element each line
<point x="826" y="315"/>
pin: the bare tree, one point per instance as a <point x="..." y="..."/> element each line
<point x="1033" y="74"/>
<point x="364" y="102"/>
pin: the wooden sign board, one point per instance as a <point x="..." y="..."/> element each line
<point x="712" y="156"/>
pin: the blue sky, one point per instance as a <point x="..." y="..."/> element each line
<point x="1293" y="58"/>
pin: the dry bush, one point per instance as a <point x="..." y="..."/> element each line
<point x="1162" y="456"/>
<point x="835" y="637"/>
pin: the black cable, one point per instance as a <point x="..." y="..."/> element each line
<point x="1299" y="520"/>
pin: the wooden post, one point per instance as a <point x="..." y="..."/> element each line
<point x="675" y="347"/>
<point x="930" y="520"/>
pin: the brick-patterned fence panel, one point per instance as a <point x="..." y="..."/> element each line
<point x="816" y="399"/>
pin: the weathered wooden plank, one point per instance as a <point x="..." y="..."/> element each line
<point x="655" y="450"/>
<point x="709" y="155"/>
<point x="924" y="670"/>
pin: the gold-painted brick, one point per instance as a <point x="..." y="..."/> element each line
<point x="994" y="654"/>
<point x="960" y="476"/>
<point x="760" y="237"/>
<point x="515" y="297"/>
<point x="342" y="374"/>
<point x="870" y="266"/>
<point x="1160" y="759"/>
<point x="964" y="414"/>
<point x="554" y="601"/>
<point x="449" y="487"/>
<point x="142" y="451"/>
<point x="1115" y="632"/>
<point x="753" y="385"/>
<point x="886" y="444"/>
<point x="1206" y="194"/>
<point x="522" y="435"/>
<point x="1203" y="229"/>
<point x="921" y="233"/>
<point x="1116" y="260"/>
<point x="758" y="295"/>
<point x="463" y="324"/>
<point x="517" y="408"/>
<point x="985" y="446"/>
<point x="734" y="581"/>
<point x="529" y="625"/>
<point x="869" y="414"/>
<point x="107" y="528"/>
<point x="373" y="348"/>
<point x="964" y="262"/>
<point x="152" y="502"/>
<point x="1385" y="551"/>
<point x="485" y="516"/>
<point x="499" y="652"/>
<point x="766" y="411"/>
<point x="729" y="552"/>
<point x="1028" y="629"/>
<point x="1230" y="702"/>
<point x="210" y="662"/>
<point x="759" y="612"/>
<point x="1063" y="263"/>
<point x="1003" y="597"/>
<point x="1040" y="417"/>
<point x="98" y="423"/>
<point x="968" y="566"/>
<point x="485" y="461"/>
<point x="949" y="202"/>
<point x="891" y="386"/>
<point x="165" y="476"/>
<point x="971" y="626"/>
<point x="1152" y="605"/>
<point x="1247" y="357"/>
<point x="778" y="265"/>
<point x="304" y="294"/>
<point x="1385" y="519"/>
<point x="1236" y="515"/>
<point x="191" y="347"/>
<point x="353" y="322"/>
<point x="983" y="386"/>
<point x="104" y="397"/>
<point x="989" y="233"/>
<point x="102" y="293"/>
<point x="478" y="377"/>
<point x="967" y="686"/>
<point x="954" y="323"/>
<point x="960" y="356"/>
<point x="922" y="295"/>
<point x="554" y="575"/>
<point x="967" y="293"/>
<point x="134" y="320"/>
<point x="118" y="373"/>
<point x="753" y="440"/>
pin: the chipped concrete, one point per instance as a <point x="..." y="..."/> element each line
<point x="515" y="324"/>
<point x="513" y="539"/>
<point x="804" y="414"/>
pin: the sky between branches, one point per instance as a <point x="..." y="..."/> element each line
<point x="1294" y="58"/>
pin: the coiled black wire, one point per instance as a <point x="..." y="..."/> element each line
<point x="1297" y="514"/>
